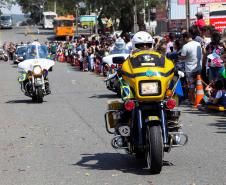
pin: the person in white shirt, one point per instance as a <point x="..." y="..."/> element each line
<point x="169" y="46"/>
<point x="191" y="54"/>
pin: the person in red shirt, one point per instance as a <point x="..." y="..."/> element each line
<point x="199" y="22"/>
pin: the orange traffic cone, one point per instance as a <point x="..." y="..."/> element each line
<point x="199" y="91"/>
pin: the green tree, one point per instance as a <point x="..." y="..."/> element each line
<point x="124" y="10"/>
<point x="121" y="9"/>
<point x="35" y="8"/>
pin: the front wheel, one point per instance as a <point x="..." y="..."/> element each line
<point x="39" y="95"/>
<point x="6" y="59"/>
<point x="34" y="98"/>
<point x="105" y="70"/>
<point x="154" y="148"/>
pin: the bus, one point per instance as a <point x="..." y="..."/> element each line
<point x="47" y="20"/>
<point x="64" y="26"/>
<point x="6" y="21"/>
<point x="87" y="21"/>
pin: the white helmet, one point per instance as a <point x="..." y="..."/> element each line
<point x="120" y="44"/>
<point x="140" y="38"/>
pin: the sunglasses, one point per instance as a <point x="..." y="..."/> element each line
<point x="142" y="45"/>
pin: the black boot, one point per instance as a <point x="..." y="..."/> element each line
<point x="48" y="91"/>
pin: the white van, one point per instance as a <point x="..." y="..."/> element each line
<point x="6" y="21"/>
<point x="47" y="20"/>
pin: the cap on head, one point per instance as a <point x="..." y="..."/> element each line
<point x="199" y="15"/>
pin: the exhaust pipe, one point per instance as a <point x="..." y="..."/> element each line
<point x="179" y="139"/>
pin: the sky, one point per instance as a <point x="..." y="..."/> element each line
<point x="14" y="10"/>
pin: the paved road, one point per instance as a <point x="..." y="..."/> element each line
<point x="28" y="33"/>
<point x="63" y="141"/>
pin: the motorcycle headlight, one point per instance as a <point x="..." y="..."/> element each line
<point x="150" y="88"/>
<point x="37" y="70"/>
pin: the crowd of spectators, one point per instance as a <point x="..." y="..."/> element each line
<point x="199" y="50"/>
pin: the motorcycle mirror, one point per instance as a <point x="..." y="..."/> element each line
<point x="118" y="60"/>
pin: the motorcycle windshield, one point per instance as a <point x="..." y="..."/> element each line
<point x="119" y="51"/>
<point x="147" y="60"/>
<point x="28" y="65"/>
<point x="108" y="59"/>
<point x="21" y="50"/>
<point x="36" y="51"/>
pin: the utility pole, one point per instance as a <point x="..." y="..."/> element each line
<point x="187" y="7"/>
<point x="77" y="17"/>
<point x="169" y="14"/>
<point x="54" y="6"/>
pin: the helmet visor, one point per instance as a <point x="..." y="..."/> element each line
<point x="143" y="45"/>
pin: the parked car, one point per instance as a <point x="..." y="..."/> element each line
<point x="20" y="53"/>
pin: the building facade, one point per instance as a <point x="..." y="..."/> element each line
<point x="172" y="16"/>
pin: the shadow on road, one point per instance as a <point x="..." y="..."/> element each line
<point x="219" y="118"/>
<point x="14" y="66"/>
<point x="104" y="96"/>
<point x="72" y="68"/>
<point x="204" y="112"/>
<point x="28" y="101"/>
<point x="51" y="38"/>
<point x="115" y="161"/>
<point x="36" y="33"/>
<point x="220" y="124"/>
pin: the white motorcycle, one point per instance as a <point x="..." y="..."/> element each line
<point x="119" y="50"/>
<point x="33" y="72"/>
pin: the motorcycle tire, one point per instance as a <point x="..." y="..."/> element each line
<point x="34" y="99"/>
<point x="39" y="95"/>
<point x="105" y="70"/>
<point x="140" y="155"/>
<point x="6" y="59"/>
<point x="154" y="148"/>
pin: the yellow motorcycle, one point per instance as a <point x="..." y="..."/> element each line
<point x="145" y="122"/>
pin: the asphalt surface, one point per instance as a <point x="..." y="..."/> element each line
<point x="63" y="141"/>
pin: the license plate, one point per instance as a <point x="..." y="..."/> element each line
<point x="38" y="82"/>
<point x="115" y="106"/>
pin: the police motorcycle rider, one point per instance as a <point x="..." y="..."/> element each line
<point x="142" y="41"/>
<point x="145" y="122"/>
<point x="119" y="47"/>
<point x="33" y="72"/>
